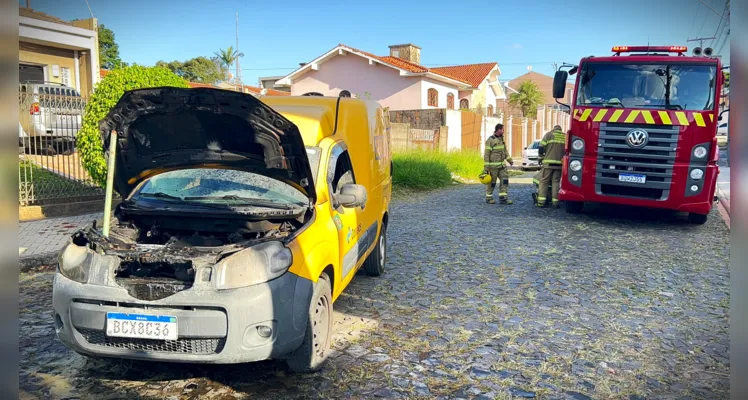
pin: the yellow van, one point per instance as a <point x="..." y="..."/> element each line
<point x="242" y="221"/>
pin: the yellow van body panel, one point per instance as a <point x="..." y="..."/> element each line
<point x="340" y="239"/>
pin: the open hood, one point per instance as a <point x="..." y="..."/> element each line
<point x="166" y="128"/>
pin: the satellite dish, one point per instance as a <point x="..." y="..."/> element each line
<point x="529" y="68"/>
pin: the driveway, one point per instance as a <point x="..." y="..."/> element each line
<point x="480" y="301"/>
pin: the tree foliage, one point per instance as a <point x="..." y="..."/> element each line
<point x="106" y="96"/>
<point x="198" y="69"/>
<point x="108" y="49"/>
<point x="727" y="79"/>
<point x="528" y="99"/>
<point x="227" y="57"/>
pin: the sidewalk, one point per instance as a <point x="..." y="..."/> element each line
<point x="46" y="237"/>
<point x="723" y="187"/>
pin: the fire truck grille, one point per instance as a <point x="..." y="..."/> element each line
<point x="624" y="171"/>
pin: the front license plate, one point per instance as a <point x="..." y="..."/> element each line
<point x="632" y="178"/>
<point x="139" y="326"/>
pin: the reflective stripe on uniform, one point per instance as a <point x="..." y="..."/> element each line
<point x="554" y="200"/>
<point x="499" y="147"/>
<point x="552" y="162"/>
<point x="493" y="163"/>
<point x="541" y="199"/>
<point x="502" y="194"/>
<point x="535" y="181"/>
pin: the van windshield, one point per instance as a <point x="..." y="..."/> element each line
<point x="659" y="86"/>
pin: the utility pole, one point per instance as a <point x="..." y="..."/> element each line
<point x="238" y="70"/>
<point x="701" y="40"/>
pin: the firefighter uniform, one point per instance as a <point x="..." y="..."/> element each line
<point x="494" y="156"/>
<point x="552" y="151"/>
<point x="536" y="182"/>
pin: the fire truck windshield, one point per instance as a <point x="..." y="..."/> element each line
<point x="659" y="86"/>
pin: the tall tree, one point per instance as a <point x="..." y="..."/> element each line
<point x="528" y="99"/>
<point x="198" y="69"/>
<point x="227" y="57"/>
<point x="108" y="49"/>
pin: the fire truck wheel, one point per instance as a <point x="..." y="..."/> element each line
<point x="698" y="219"/>
<point x="574" y="207"/>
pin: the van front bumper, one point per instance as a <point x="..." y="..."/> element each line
<point x="219" y="327"/>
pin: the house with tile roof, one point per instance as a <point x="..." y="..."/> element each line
<point x="398" y="81"/>
<point x="544" y="84"/>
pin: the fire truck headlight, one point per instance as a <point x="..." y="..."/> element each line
<point x="699" y="152"/>
<point x="577" y="144"/>
<point x="575" y="165"/>
<point x="694" y="188"/>
<point x="696" y="174"/>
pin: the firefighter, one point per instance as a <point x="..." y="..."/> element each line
<point x="536" y="182"/>
<point x="551" y="151"/>
<point x="493" y="158"/>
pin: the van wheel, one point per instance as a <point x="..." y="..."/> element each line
<point x="312" y="354"/>
<point x="574" y="207"/>
<point x="698" y="219"/>
<point x="375" y="263"/>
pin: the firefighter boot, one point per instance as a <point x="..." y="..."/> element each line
<point x="505" y="200"/>
<point x="490" y="200"/>
<point x="554" y="204"/>
<point x="534" y="198"/>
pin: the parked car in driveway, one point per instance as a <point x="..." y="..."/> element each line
<point x="530" y="156"/>
<point x="50" y="117"/>
<point x="722" y="129"/>
<point x="242" y="222"/>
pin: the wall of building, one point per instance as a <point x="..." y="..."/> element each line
<point x="353" y="73"/>
<point x="442" y="91"/>
<point x="454" y="129"/>
<point x="30" y="53"/>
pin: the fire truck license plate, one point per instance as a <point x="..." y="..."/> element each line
<point x="632" y="178"/>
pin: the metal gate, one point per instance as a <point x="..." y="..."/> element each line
<point x="49" y="167"/>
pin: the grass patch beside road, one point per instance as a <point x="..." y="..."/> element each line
<point x="419" y="170"/>
<point x="48" y="185"/>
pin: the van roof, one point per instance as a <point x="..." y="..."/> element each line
<point x="315" y="115"/>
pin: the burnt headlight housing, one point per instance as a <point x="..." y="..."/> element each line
<point x="257" y="264"/>
<point x="74" y="262"/>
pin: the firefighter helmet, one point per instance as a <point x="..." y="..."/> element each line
<point x="484" y="178"/>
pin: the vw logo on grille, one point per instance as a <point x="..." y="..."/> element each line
<point x="637" y="138"/>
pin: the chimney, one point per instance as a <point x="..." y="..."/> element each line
<point x="408" y="52"/>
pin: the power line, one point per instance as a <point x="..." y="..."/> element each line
<point x="695" y="16"/>
<point x="706" y="17"/>
<point x="719" y="25"/>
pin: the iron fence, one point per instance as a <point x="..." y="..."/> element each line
<point x="49" y="166"/>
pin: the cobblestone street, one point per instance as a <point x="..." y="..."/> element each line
<point x="479" y="301"/>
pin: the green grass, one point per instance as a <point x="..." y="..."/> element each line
<point x="48" y="185"/>
<point x="427" y="170"/>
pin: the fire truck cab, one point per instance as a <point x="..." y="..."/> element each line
<point x="643" y="130"/>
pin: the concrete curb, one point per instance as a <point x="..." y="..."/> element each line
<point x="724" y="200"/>
<point x="28" y="263"/>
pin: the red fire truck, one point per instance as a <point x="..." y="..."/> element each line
<point x="643" y="130"/>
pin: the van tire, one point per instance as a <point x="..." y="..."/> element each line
<point x="312" y="354"/>
<point x="375" y="263"/>
<point x="698" y="219"/>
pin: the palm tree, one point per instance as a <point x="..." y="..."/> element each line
<point x="527" y="98"/>
<point x="228" y="57"/>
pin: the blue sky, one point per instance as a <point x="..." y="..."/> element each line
<point x="276" y="36"/>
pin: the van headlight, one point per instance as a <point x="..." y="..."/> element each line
<point x="74" y="262"/>
<point x="258" y="264"/>
<point x="575" y="165"/>
<point x="699" y="152"/>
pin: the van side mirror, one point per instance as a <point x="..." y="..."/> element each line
<point x="350" y="196"/>
<point x="559" y="84"/>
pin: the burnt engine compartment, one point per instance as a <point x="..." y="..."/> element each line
<point x="149" y="273"/>
<point x="175" y="231"/>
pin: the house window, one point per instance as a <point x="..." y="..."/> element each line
<point x="464" y="104"/>
<point x="490" y="111"/>
<point x="451" y="101"/>
<point x="433" y="98"/>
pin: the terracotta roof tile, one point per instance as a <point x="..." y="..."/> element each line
<point x="270" y="92"/>
<point x="474" y="74"/>
<point x="103" y="72"/>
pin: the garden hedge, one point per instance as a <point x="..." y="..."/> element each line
<point x="106" y="95"/>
